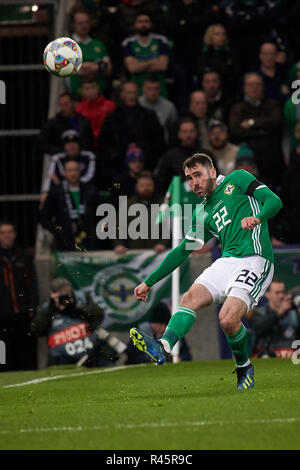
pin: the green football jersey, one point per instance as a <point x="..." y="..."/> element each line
<point x="221" y="214"/>
<point x="158" y="45"/>
<point x="92" y="50"/>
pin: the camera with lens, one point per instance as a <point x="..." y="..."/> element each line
<point x="66" y="300"/>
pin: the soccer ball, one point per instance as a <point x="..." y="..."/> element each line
<point x="63" y="57"/>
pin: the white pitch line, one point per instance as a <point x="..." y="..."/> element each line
<point x="76" y="374"/>
<point x="149" y="425"/>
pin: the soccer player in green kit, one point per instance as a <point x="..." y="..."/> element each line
<point x="235" y="209"/>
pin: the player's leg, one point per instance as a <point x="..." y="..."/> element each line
<point x="180" y="323"/>
<point x="230" y="317"/>
<point x="197" y="297"/>
<point x="207" y="288"/>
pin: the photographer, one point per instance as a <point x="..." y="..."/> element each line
<point x="74" y="332"/>
<point x="277" y="324"/>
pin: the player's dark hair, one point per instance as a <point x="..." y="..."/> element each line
<point x="198" y="158"/>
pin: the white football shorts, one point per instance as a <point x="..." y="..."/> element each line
<point x="246" y="278"/>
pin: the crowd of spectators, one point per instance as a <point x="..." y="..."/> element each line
<point x="161" y="80"/>
<point x="174" y="77"/>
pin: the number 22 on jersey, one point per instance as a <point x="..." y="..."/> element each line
<point x="221" y="218"/>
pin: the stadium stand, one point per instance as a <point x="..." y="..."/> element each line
<point x="31" y="98"/>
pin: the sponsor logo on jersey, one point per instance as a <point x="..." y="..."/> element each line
<point x="229" y="189"/>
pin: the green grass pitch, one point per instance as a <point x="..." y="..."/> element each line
<point x="185" y="406"/>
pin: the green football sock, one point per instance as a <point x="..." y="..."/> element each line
<point x="180" y="323"/>
<point x="239" y="346"/>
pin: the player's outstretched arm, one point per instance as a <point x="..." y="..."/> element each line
<point x="173" y="259"/>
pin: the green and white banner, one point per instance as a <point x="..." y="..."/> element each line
<point x="111" y="283"/>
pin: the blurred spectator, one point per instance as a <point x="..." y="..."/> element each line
<point x="104" y="26"/>
<point x="292" y="108"/>
<point x="290" y="198"/>
<point x="95" y="56"/>
<point x="124" y="184"/>
<point x="187" y="21"/>
<point x="171" y="162"/>
<point x="198" y="111"/>
<point x="218" y="102"/>
<point x="245" y="160"/>
<point x="146" y="195"/>
<point x="277" y="324"/>
<point x="49" y="140"/>
<point x="146" y="52"/>
<point x="19" y="298"/>
<point x="128" y="10"/>
<point x="274" y="75"/>
<point x="258" y="122"/>
<point x="164" y="109"/>
<point x="216" y="55"/>
<point x="72" y="151"/>
<point x="129" y="123"/>
<point x="249" y="22"/>
<point x="159" y="319"/>
<point x="94" y="106"/>
<point x="73" y="330"/>
<point x="69" y="211"/>
<point x="224" y="151"/>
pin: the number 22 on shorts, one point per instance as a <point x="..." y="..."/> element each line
<point x="247" y="277"/>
